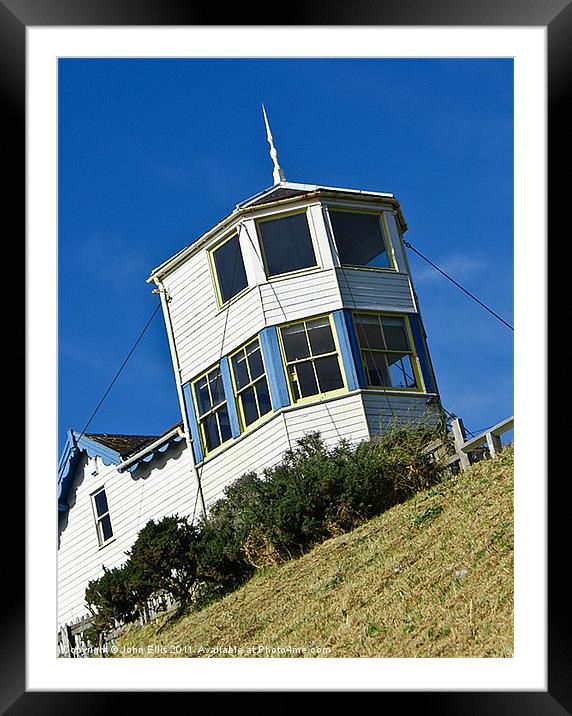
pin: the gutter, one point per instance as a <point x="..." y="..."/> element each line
<point x="162" y="291"/>
<point x="149" y="448"/>
<point x="169" y="265"/>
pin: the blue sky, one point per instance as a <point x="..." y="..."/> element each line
<point x="153" y="152"/>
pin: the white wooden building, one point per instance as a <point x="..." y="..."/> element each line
<point x="295" y="313"/>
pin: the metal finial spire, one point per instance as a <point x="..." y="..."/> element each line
<point x="277" y="174"/>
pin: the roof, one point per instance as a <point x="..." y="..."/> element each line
<point x="123" y="444"/>
<point x="127" y="452"/>
<point x="282" y="192"/>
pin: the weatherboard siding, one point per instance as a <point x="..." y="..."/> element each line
<point x="260" y="448"/>
<point x="383" y="409"/>
<point x="342" y="417"/>
<point x="375" y="290"/>
<point x="163" y="487"/>
<point x="199" y="324"/>
<point x="335" y="419"/>
<point x="204" y="332"/>
<point x="300" y="296"/>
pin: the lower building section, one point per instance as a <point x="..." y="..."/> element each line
<point x="106" y="511"/>
<point x="355" y="416"/>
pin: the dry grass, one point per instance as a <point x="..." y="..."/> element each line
<point x="430" y="578"/>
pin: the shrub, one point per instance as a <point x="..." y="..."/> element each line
<point x="116" y="596"/>
<point x="164" y="558"/>
<point x="300" y="495"/>
<point x="317" y="491"/>
<point x="386" y="471"/>
<point x="223" y="560"/>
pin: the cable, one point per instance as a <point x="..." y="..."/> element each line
<point x="119" y="371"/>
<point x="496" y="315"/>
<point x="213" y="410"/>
<point x="454" y="417"/>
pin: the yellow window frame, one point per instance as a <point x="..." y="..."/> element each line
<point x="201" y="417"/>
<point x="313" y="238"/>
<point x="214" y="272"/>
<point x="384" y="232"/>
<point x="286" y="364"/>
<point x="420" y="387"/>
<point x="237" y="392"/>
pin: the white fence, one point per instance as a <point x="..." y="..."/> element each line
<point x="459" y="453"/>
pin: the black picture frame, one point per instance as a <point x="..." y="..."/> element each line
<point x="15" y="17"/>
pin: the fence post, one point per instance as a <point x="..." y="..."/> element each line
<point x="494" y="444"/>
<point x="67" y="640"/>
<point x="460" y="439"/>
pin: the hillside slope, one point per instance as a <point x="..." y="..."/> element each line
<point x="432" y="577"/>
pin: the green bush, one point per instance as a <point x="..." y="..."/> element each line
<point x="164" y="558"/>
<point x="117" y="596"/>
<point x="316" y="491"/>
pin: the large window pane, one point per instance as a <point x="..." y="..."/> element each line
<point x="329" y="374"/>
<point x="203" y="396"/>
<point x="369" y="332"/>
<point x="224" y="424"/>
<point x="249" y="406"/>
<point x="211" y="432"/>
<point x="359" y="239"/>
<point x="287" y="244"/>
<point x="320" y="335"/>
<point x="400" y="371"/>
<point x="240" y="370"/>
<point x="295" y="342"/>
<point x="255" y="360"/>
<point x="395" y="334"/>
<point x="376" y="368"/>
<point x="229" y="268"/>
<point x="105" y="526"/>
<point x="101" y="503"/>
<point x="263" y="397"/>
<point x="306" y="379"/>
<point x="216" y="386"/>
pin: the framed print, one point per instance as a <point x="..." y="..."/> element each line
<point x="68" y="69"/>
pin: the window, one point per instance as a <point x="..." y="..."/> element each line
<point x="385" y="346"/>
<point x="251" y="387"/>
<point x="360" y="239"/>
<point x="229" y="269"/>
<point x="102" y="518"/>
<point x="286" y="244"/>
<point x="312" y="361"/>
<point x="214" y="423"/>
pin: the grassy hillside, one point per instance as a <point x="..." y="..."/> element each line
<point x="432" y="577"/>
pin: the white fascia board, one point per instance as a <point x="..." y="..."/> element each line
<point x="123" y="465"/>
<point x="244" y="208"/>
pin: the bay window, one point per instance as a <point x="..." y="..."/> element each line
<point x="212" y="412"/>
<point x="311" y="357"/>
<point x="286" y="244"/>
<point x="360" y="238"/>
<point x="250" y="384"/>
<point x="386" y="350"/>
